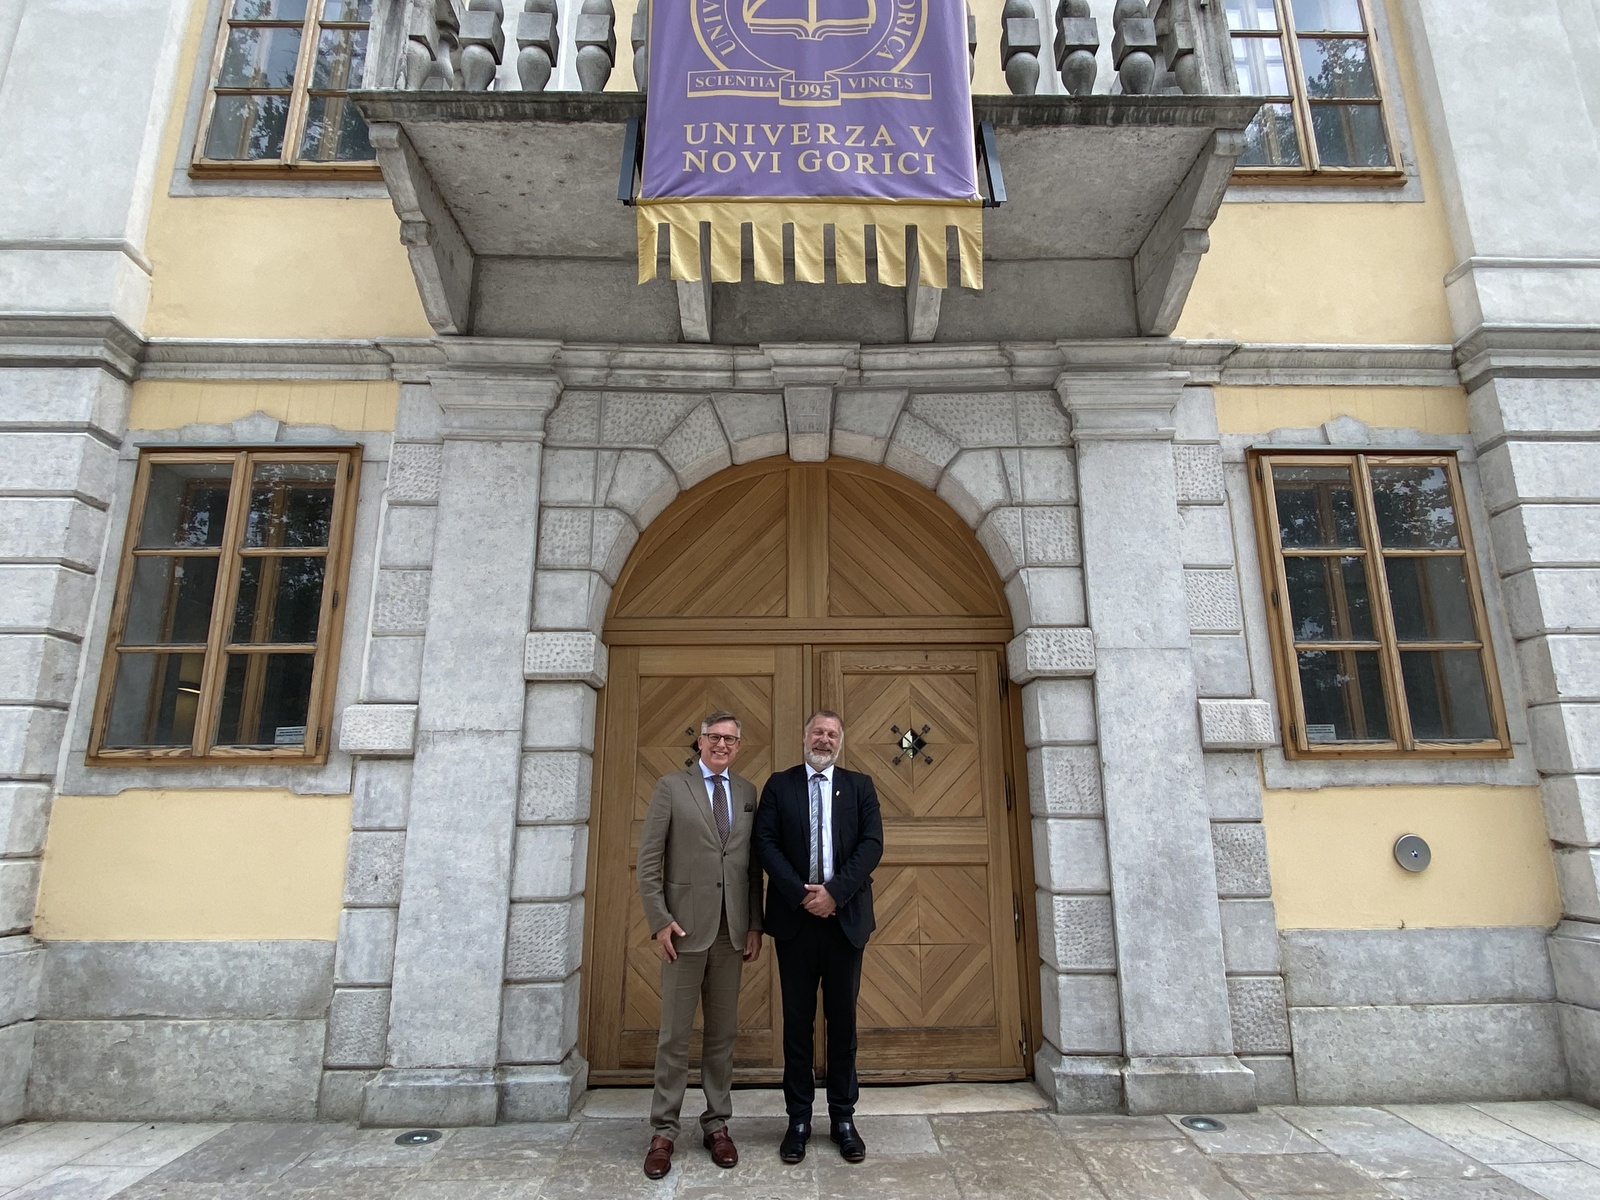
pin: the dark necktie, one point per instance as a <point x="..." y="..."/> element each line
<point x="817" y="782"/>
<point x="719" y="808"/>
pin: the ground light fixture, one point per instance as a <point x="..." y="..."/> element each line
<point x="418" y="1137"/>
<point x="1202" y="1124"/>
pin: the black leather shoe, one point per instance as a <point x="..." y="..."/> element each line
<point x="851" y="1147"/>
<point x="793" y="1147"/>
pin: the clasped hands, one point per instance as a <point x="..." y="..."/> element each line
<point x="751" y="951"/>
<point x="819" y="901"/>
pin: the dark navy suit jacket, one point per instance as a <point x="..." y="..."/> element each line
<point x="782" y="839"/>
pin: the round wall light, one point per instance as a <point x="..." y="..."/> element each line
<point x="1412" y="853"/>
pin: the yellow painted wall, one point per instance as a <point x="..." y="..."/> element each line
<point x="350" y="405"/>
<point x="1332" y="858"/>
<point x="257" y="267"/>
<point x="1262" y="409"/>
<point x="1365" y="273"/>
<point x="193" y="865"/>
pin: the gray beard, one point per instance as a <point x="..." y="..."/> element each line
<point x="820" y="762"/>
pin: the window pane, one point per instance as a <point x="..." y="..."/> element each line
<point x="1337" y="69"/>
<point x="1259" y="64"/>
<point x="335" y="132"/>
<point x="341" y="57"/>
<point x="1446" y="696"/>
<point x="1328" y="599"/>
<point x="1414" y="508"/>
<point x="1334" y="16"/>
<point x="259" y="57"/>
<point x="1343" y="694"/>
<point x="1429" y="597"/>
<point x="280" y="599"/>
<point x="1272" y="140"/>
<point x="265" y="698"/>
<point x="291" y="504"/>
<point x="269" y="10"/>
<point x="170" y="600"/>
<point x="1316" y="507"/>
<point x="153" y="701"/>
<point x="1350" y="135"/>
<point x="185" y="505"/>
<point x="347" y="10"/>
<point x="1252" y="14"/>
<point x="246" y="128"/>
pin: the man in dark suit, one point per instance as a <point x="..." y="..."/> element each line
<point x="818" y="835"/>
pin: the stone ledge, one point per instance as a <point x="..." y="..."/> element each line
<point x="379" y="730"/>
<point x="1236" y="725"/>
<point x="1051" y="652"/>
<point x="550" y="656"/>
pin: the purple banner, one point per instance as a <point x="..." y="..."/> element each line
<point x="849" y="99"/>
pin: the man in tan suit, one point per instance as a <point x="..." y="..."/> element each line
<point x="701" y="891"/>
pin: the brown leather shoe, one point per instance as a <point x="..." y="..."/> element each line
<point x="723" y="1152"/>
<point x="658" y="1159"/>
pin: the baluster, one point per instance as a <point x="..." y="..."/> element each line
<point x="426" y="59"/>
<point x="1020" y="44"/>
<point x="538" y="44"/>
<point x="641" y="46"/>
<point x="1175" y="33"/>
<point x="483" y="43"/>
<point x="1077" y="43"/>
<point x="596" y="38"/>
<point x="972" y="45"/>
<point x="1134" y="47"/>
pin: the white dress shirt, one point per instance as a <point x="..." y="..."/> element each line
<point x="827" y="818"/>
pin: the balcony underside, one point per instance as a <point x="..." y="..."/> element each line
<point x="508" y="208"/>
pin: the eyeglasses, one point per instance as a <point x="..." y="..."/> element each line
<point x="721" y="739"/>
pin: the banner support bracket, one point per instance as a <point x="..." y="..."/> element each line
<point x="632" y="159"/>
<point x="989" y="159"/>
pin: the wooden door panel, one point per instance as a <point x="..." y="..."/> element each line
<point x="943" y="961"/>
<point x="656" y="699"/>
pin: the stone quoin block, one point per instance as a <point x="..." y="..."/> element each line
<point x="553" y="656"/>
<point x="1051" y="652"/>
<point x="1236" y="725"/>
<point x="378" y="730"/>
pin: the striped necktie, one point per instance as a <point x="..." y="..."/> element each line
<point x="719" y="808"/>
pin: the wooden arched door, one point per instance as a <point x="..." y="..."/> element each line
<point x="771" y="590"/>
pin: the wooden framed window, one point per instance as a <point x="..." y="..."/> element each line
<point x="279" y="89"/>
<point x="225" y="631"/>
<point x="1315" y="64"/>
<point x="1372" y="588"/>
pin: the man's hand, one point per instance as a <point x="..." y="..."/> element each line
<point x="752" y="945"/>
<point x="818" y="901"/>
<point x="664" y="940"/>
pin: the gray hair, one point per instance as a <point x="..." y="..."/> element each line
<point x="718" y="718"/>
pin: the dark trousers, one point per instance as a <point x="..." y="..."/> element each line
<point x="819" y="954"/>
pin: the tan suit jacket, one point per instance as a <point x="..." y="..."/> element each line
<point x="686" y="874"/>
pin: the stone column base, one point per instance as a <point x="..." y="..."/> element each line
<point x="1078" y="1083"/>
<point x="544" y="1092"/>
<point x="413" y="1096"/>
<point x="1220" y="1084"/>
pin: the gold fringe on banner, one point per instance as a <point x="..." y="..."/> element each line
<point x="686" y="220"/>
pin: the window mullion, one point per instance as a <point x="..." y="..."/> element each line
<point x="1300" y="101"/>
<point x="226" y="597"/>
<point x="1378" y="581"/>
<point x="300" y="96"/>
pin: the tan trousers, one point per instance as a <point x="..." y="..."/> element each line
<point x="709" y="978"/>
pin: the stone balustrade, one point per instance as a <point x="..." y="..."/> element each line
<point x="1159" y="47"/>
<point x="1127" y="47"/>
<point x="460" y="45"/>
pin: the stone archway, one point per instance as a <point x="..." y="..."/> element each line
<point x="774" y="588"/>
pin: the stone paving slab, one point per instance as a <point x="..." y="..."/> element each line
<point x="1525" y="1151"/>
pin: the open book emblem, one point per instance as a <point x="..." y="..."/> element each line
<point x="811" y="20"/>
